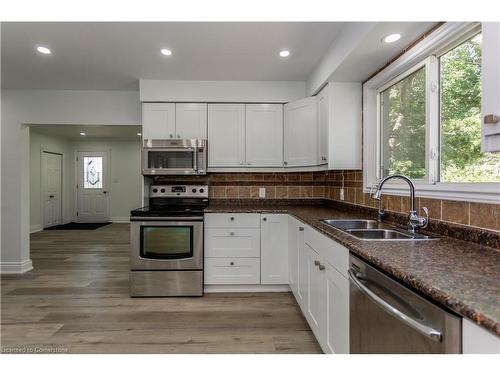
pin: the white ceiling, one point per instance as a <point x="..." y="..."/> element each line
<point x="114" y="56"/>
<point x="92" y="132"/>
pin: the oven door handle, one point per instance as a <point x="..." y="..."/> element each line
<point x="173" y="218"/>
<point x="430" y="332"/>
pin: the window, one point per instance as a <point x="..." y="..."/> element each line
<point x="460" y="107"/>
<point x="403" y="127"/>
<point x="92" y="172"/>
<point x="422" y="118"/>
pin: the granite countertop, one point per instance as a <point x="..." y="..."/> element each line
<point x="461" y="275"/>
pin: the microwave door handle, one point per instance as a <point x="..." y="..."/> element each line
<point x="195" y="159"/>
<point x="431" y="333"/>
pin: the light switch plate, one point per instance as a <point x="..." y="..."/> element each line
<point x="262" y="192"/>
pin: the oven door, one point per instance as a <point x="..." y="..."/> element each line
<point x="166" y="245"/>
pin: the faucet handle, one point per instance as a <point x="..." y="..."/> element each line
<point x="426" y="222"/>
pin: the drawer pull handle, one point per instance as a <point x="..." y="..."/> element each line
<point x="231" y="263"/>
<point x="231" y="233"/>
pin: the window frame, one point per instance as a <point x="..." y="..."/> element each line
<point x="425" y="53"/>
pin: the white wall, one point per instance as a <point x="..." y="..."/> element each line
<point x="221" y="91"/>
<point x="39" y="142"/>
<point x="125" y="179"/>
<point x="20" y="107"/>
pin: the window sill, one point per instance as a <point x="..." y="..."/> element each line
<point x="481" y="193"/>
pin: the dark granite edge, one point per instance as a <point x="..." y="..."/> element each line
<point x="418" y="284"/>
<point x="481" y="236"/>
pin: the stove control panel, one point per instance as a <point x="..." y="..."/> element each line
<point x="178" y="191"/>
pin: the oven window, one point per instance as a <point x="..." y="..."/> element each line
<point x="166" y="242"/>
<point x="181" y="159"/>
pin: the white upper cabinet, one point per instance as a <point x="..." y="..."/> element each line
<point x="274" y="249"/>
<point x="191" y="120"/>
<point x="345" y="125"/>
<point x="301" y="133"/>
<point x="158" y="120"/>
<point x="323" y="124"/>
<point x="490" y="81"/>
<point x="226" y="135"/>
<point x="264" y="135"/>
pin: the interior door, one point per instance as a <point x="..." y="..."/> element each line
<point x="51" y="170"/>
<point x="93" y="196"/>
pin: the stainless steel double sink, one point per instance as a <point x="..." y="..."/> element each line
<point x="372" y="230"/>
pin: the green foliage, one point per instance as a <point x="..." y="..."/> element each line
<point x="403" y="114"/>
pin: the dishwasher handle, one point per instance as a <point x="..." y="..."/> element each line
<point x="430" y="332"/>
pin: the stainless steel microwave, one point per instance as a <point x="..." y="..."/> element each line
<point x="174" y="157"/>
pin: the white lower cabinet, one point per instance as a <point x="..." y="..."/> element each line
<point x="477" y="340"/>
<point x="235" y="271"/>
<point x="232" y="242"/>
<point x="322" y="287"/>
<point x="274" y="249"/>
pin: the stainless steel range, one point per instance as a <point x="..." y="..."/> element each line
<point x="166" y="252"/>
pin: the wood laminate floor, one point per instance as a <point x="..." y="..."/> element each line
<point x="76" y="301"/>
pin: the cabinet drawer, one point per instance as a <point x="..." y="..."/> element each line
<point x="232" y="242"/>
<point x="331" y="251"/>
<point x="232" y="271"/>
<point x="232" y="221"/>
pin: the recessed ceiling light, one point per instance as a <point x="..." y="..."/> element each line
<point x="82" y="133"/>
<point x="166" y="52"/>
<point x="284" y="53"/>
<point x="139" y="134"/>
<point x="391" y="38"/>
<point x="43" y="50"/>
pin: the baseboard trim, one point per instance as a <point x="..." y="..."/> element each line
<point x="245" y="288"/>
<point x="16" y="267"/>
<point x="35" y="228"/>
<point x="119" y="219"/>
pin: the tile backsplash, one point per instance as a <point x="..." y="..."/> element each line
<point x="327" y="184"/>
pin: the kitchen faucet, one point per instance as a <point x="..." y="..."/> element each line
<point x="414" y="221"/>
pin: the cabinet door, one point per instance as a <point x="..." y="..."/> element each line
<point x="158" y="120"/>
<point x="315" y="277"/>
<point x="191" y="120"/>
<point x="226" y="135"/>
<point x="264" y="135"/>
<point x="336" y="312"/>
<point x="274" y="249"/>
<point x="293" y="254"/>
<point x="490" y="82"/>
<point x="301" y="133"/>
<point x="302" y="278"/>
<point x="323" y="111"/>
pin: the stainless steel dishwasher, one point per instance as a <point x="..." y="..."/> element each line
<point x="386" y="317"/>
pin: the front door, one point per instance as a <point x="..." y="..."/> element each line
<point x="51" y="188"/>
<point x="92" y="187"/>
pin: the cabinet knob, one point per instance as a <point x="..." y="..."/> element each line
<point x="321" y="267"/>
<point x="317" y="263"/>
<point x="231" y="233"/>
<point x="231" y="263"/>
<point x="178" y="136"/>
<point x="285" y="163"/>
<point x="171" y="136"/>
<point x="231" y="218"/>
<point x="264" y="219"/>
<point x="301" y="229"/>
